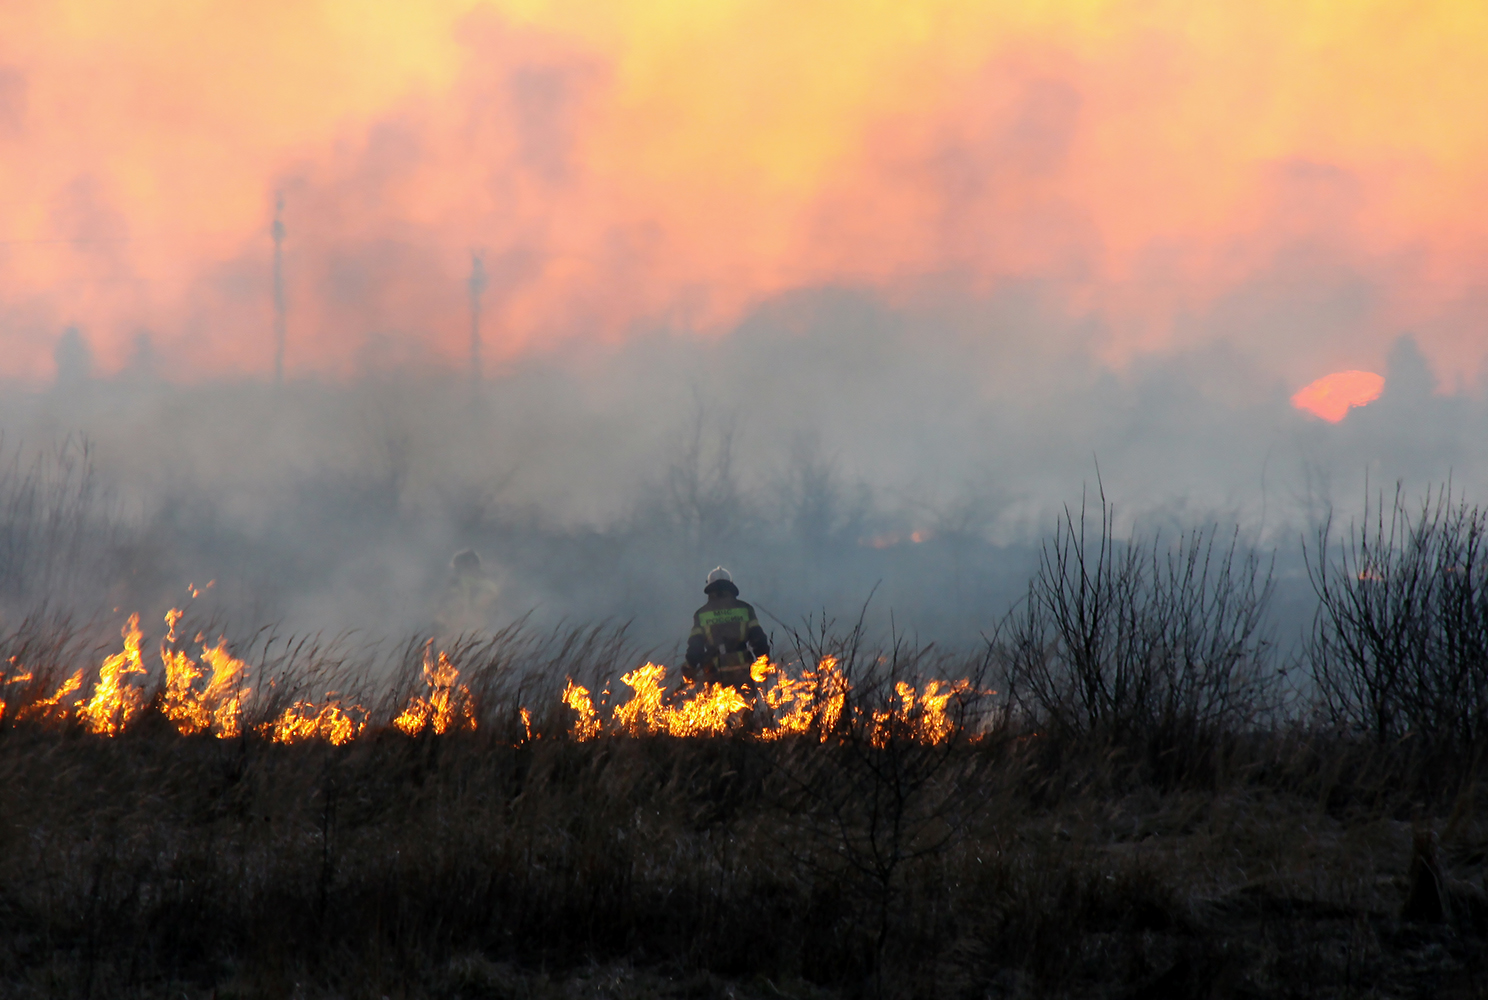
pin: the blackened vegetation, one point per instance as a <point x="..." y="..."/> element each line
<point x="1149" y="805"/>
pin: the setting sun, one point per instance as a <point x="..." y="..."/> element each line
<point x="1332" y="396"/>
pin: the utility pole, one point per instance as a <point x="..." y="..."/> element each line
<point x="279" y="323"/>
<point x="477" y="285"/>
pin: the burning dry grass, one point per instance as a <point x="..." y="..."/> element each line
<point x="212" y="694"/>
<point x="876" y="830"/>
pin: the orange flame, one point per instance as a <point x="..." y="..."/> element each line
<point x="586" y="726"/>
<point x="209" y="696"/>
<point x="223" y="696"/>
<point x="217" y="706"/>
<point x="6" y="682"/>
<point x="921" y="717"/>
<point x="448" y="705"/>
<point x="816" y="700"/>
<point x="813" y="703"/>
<point x="709" y="712"/>
<point x="54" y="707"/>
<point x="306" y="720"/>
<point x="644" y="711"/>
<point x="182" y="704"/>
<point x="115" y="701"/>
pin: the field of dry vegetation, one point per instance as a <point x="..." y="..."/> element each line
<point x="1133" y="794"/>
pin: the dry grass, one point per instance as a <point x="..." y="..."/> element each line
<point x="155" y="865"/>
<point x="1139" y="815"/>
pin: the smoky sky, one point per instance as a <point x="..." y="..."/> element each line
<point x="623" y="167"/>
<point x="852" y="301"/>
<point x="830" y="447"/>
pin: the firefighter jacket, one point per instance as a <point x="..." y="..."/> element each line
<point x="725" y="635"/>
<point x="468" y="604"/>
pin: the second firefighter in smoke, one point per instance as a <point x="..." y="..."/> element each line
<point x="468" y="603"/>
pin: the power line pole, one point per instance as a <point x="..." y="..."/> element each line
<point x="477" y="284"/>
<point x="279" y="309"/>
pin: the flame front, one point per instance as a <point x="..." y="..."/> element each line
<point x="921" y="717"/>
<point x="709" y="712"/>
<point x="448" y="704"/>
<point x="219" y="705"/>
<point x="115" y="701"/>
<point x="306" y="720"/>
<point x="815" y="701"/>
<point x="224" y="695"/>
<point x="779" y="706"/>
<point x="55" y="707"/>
<point x="586" y="726"/>
<point x="209" y="695"/>
<point x="22" y="678"/>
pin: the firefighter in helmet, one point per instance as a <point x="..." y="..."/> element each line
<point x="726" y="636"/>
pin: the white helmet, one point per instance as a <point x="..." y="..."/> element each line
<point x="719" y="575"/>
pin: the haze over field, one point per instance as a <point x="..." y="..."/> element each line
<point x="853" y="295"/>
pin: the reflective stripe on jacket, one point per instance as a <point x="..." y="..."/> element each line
<point x="726" y="632"/>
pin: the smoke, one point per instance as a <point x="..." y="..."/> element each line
<point x="624" y="166"/>
<point x="12" y="101"/>
<point x="845" y="299"/>
<point x="830" y="447"/>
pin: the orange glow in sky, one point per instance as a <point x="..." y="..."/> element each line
<point x="633" y="164"/>
<point x="1332" y="396"/>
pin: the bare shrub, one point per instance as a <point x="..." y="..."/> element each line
<point x="1162" y="644"/>
<point x="1400" y="642"/>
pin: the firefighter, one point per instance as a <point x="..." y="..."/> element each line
<point x="469" y="600"/>
<point x="726" y="637"/>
